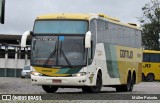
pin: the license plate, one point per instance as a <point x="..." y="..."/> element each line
<point x="56" y="81"/>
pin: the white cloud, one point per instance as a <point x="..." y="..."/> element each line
<point x="20" y="14"/>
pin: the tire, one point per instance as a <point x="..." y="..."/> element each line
<point x="150" y="77"/>
<point x="22" y="77"/>
<point x="49" y="89"/>
<point x="120" y="88"/>
<point x="132" y="83"/>
<point x="97" y="88"/>
<point x="85" y="90"/>
<point x="127" y="87"/>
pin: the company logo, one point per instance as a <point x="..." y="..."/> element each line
<point x="6" y="97"/>
<point x="147" y="66"/>
<point x="126" y="54"/>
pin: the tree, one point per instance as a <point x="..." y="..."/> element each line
<point x="150" y="23"/>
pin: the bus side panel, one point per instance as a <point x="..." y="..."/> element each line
<point x="139" y="77"/>
<point x="119" y="60"/>
<point x="129" y="59"/>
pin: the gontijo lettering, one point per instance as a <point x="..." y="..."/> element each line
<point x="126" y="54"/>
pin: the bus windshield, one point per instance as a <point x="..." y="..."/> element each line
<point x="61" y="51"/>
<point x="60" y="26"/>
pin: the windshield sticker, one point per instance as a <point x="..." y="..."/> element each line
<point x="45" y="39"/>
<point x="61" y="38"/>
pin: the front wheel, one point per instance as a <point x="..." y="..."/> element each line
<point x="49" y="89"/>
<point x="97" y="87"/>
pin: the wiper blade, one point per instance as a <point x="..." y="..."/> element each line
<point x="69" y="64"/>
<point x="62" y="52"/>
<point x="51" y="55"/>
<point x="56" y="51"/>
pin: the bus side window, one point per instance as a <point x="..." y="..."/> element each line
<point x="146" y="57"/>
<point x="154" y="57"/>
<point x="90" y="54"/>
<point x="93" y="38"/>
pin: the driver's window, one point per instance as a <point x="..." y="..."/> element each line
<point x="90" y="54"/>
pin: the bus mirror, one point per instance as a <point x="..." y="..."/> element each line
<point x="24" y="38"/>
<point x="88" y="40"/>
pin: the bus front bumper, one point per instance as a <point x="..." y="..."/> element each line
<point x="58" y="81"/>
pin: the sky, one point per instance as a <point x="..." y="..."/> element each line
<point x="20" y="14"/>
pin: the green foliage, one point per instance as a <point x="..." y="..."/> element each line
<point x="150" y="23"/>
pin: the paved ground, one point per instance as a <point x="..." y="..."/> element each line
<point x="23" y="86"/>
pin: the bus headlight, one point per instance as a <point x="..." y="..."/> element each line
<point x="36" y="73"/>
<point x="79" y="74"/>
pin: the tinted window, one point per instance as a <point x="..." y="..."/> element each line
<point x="61" y="27"/>
<point x="146" y="57"/>
<point x="154" y="58"/>
<point x="151" y="57"/>
<point x="100" y="31"/>
<point x="26" y="67"/>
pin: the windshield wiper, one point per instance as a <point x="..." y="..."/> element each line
<point x="51" y="55"/>
<point x="55" y="51"/>
<point x="62" y="52"/>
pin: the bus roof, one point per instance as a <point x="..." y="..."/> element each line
<point x="79" y="16"/>
<point x="151" y="51"/>
<point x="65" y="16"/>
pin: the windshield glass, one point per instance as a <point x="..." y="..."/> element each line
<point x="58" y="51"/>
<point x="60" y="27"/>
<point x="26" y="68"/>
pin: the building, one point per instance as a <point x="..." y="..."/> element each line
<point x="12" y="56"/>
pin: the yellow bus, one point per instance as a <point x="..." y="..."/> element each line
<point x="151" y="65"/>
<point x="85" y="51"/>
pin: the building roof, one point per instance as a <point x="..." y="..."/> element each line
<point x="6" y="39"/>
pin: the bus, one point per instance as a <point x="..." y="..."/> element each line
<point x="85" y="51"/>
<point x="151" y="65"/>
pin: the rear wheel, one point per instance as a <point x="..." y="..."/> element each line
<point x="132" y="83"/>
<point x="119" y="88"/>
<point x="150" y="77"/>
<point x="127" y="87"/>
<point x="49" y="89"/>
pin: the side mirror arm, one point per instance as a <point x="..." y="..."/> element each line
<point x="24" y="38"/>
